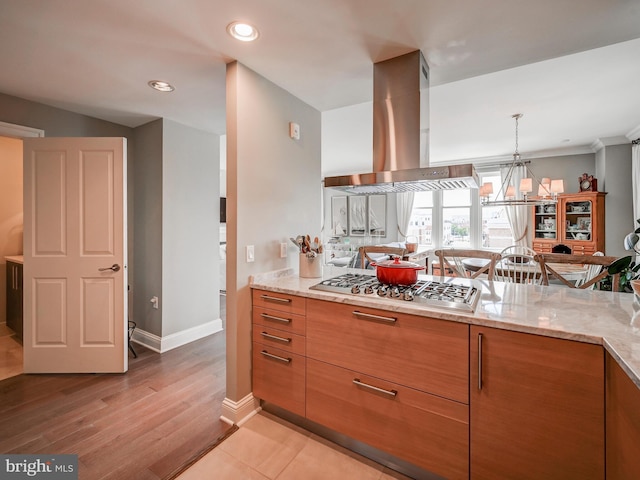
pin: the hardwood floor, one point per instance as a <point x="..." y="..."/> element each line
<point x="140" y="425"/>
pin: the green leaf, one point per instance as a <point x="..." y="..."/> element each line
<point x="620" y="265"/>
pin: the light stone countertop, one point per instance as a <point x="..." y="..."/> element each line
<point x="591" y="316"/>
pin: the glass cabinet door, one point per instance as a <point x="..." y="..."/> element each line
<point x="546" y="225"/>
<point x="578" y="220"/>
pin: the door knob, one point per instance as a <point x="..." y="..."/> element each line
<point x="115" y="267"/>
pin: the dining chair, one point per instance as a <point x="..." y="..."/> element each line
<point x="467" y="263"/>
<point x="554" y="265"/>
<point x="518" y="266"/>
<point x="591" y="271"/>
<point x="379" y="252"/>
<point x="516" y="249"/>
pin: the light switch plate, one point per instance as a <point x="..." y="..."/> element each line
<point x="294" y="130"/>
<point x="250" y="254"/>
<point x="283" y="250"/>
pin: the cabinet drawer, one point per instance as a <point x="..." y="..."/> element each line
<point x="279" y="301"/>
<point x="279" y="378"/>
<point x="541" y="247"/>
<point x="425" y="430"/>
<point x="289" y="322"/>
<point x="419" y="352"/>
<point x="581" y="249"/>
<point x="281" y="339"/>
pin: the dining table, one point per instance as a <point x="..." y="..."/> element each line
<point x="569" y="271"/>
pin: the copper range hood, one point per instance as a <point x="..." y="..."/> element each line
<point x="401" y="135"/>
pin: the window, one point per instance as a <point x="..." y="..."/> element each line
<point x="421" y="223"/>
<point x="496" y="232"/>
<point x="455" y="219"/>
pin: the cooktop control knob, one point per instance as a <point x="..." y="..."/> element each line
<point x="355" y="289"/>
<point x="407" y="295"/>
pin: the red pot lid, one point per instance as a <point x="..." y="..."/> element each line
<point x="397" y="263"/>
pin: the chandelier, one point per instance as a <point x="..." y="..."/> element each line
<point x="547" y="190"/>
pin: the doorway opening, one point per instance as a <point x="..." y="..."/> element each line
<point x="11" y="241"/>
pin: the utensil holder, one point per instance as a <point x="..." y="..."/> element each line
<point x="310" y="267"/>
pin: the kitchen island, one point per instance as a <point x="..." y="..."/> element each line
<point x="516" y="387"/>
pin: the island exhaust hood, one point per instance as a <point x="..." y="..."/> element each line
<point x="401" y="135"/>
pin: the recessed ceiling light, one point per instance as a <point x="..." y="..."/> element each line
<point x="243" y="31"/>
<point x="161" y="86"/>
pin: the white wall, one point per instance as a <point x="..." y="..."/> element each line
<point x="273" y="192"/>
<point x="347" y="140"/>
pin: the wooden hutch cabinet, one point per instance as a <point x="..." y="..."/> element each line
<point x="577" y="221"/>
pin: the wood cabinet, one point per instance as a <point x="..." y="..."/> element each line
<point x="425" y="430"/>
<point x="423" y="353"/>
<point x="623" y="423"/>
<point x="279" y="364"/>
<point x="537" y="407"/>
<point x="14" y="298"/>
<point x="577" y="220"/>
<point x="394" y="381"/>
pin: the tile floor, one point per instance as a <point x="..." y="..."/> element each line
<point x="10" y="353"/>
<point x="267" y="447"/>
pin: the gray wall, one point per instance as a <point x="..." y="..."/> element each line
<point x="273" y="192"/>
<point x="190" y="220"/>
<point x="614" y="176"/>
<point x="177" y="179"/>
<point x="147" y="230"/>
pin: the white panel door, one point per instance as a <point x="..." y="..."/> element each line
<point x="75" y="265"/>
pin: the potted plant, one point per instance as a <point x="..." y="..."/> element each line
<point x="626" y="266"/>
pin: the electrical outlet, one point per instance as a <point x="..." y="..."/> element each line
<point x="283" y="250"/>
<point x="250" y="254"/>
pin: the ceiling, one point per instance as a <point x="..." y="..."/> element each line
<point x="570" y="66"/>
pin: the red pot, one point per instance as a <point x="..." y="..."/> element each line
<point x="397" y="272"/>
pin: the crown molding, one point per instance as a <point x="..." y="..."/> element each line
<point x="634" y="134"/>
<point x="600" y="143"/>
<point x="555" y="152"/>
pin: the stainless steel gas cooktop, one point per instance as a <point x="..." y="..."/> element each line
<point x="444" y="294"/>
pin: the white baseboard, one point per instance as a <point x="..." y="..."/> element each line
<point x="175" y="340"/>
<point x="239" y="412"/>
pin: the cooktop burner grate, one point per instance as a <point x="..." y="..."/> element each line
<point x="430" y="292"/>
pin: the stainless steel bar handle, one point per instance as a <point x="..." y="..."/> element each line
<point x="274" y="337"/>
<point x="275" y="357"/>
<point x="391" y="393"/>
<point x="370" y="316"/>
<point x="479" y="361"/>
<point x="275" y="299"/>
<point x="114" y="268"/>
<point x="277" y="319"/>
